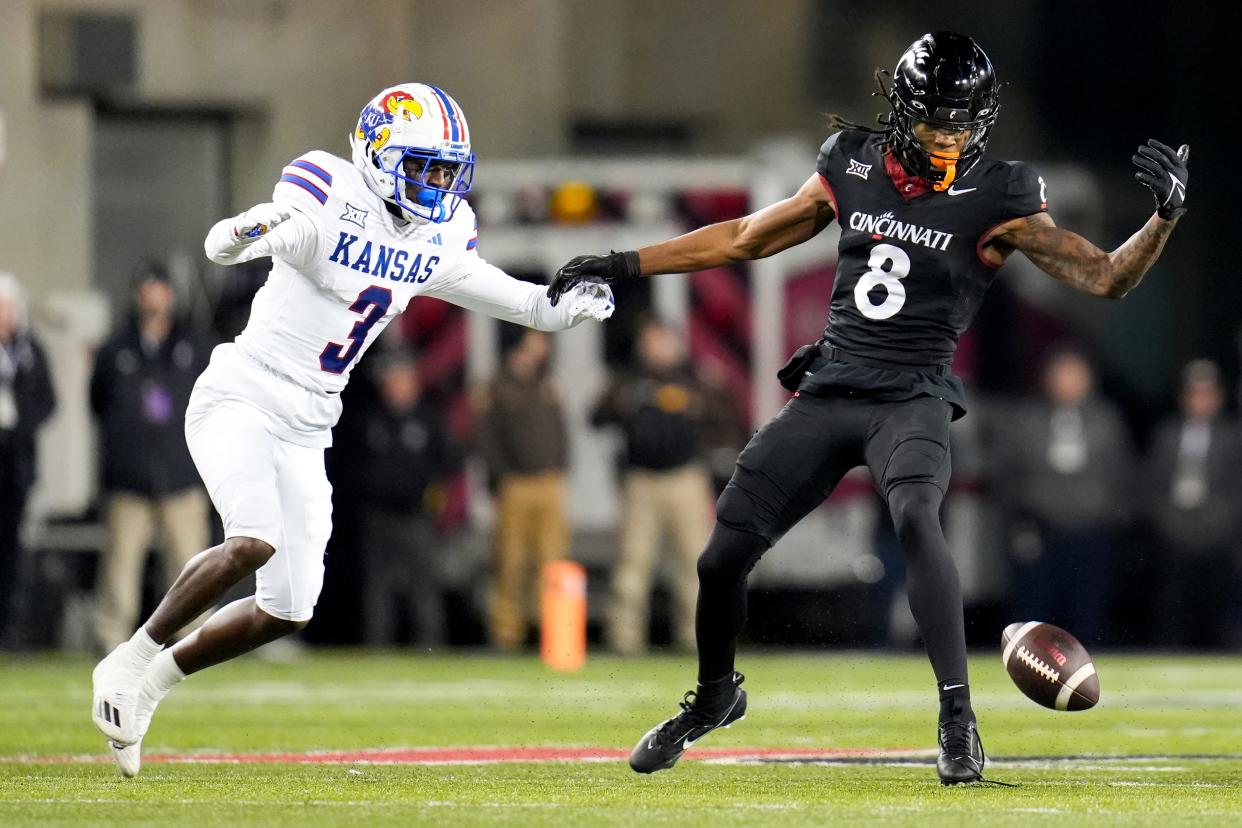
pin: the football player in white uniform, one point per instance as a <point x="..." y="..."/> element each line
<point x="351" y="244"/>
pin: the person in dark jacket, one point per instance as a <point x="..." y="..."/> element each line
<point x="26" y="401"/>
<point x="661" y="410"/>
<point x="1067" y="461"/>
<point x="139" y="391"/>
<point x="405" y="455"/>
<point x="524" y="442"/>
<point x="1195" y="488"/>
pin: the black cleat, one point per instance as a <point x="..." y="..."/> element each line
<point x="663" y="745"/>
<point x="961" y="757"/>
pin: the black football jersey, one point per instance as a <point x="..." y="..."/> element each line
<point x="910" y="275"/>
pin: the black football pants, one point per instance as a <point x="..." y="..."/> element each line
<point x="790" y="466"/>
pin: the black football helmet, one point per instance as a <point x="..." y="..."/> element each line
<point x="946" y="80"/>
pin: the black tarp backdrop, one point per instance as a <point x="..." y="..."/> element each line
<point x="1085" y="84"/>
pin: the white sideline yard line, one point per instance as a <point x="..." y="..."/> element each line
<point x="381" y="804"/>
<point x="485" y="755"/>
<point x="1085" y="762"/>
<point x="349" y="803"/>
<point x="491" y="755"/>
<point x="1124" y="784"/>
<point x="467" y="694"/>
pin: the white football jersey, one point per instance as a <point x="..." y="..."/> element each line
<point x="343" y="268"/>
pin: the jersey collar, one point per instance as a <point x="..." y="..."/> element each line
<point x="909" y="187"/>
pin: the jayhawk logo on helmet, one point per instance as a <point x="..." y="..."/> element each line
<point x="399" y="103"/>
<point x="412" y="146"/>
<point x="394" y="105"/>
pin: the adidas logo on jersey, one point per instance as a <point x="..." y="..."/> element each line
<point x="887" y="226"/>
<point x="437" y="240"/>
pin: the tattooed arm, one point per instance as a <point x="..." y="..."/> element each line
<point x="1069" y="258"/>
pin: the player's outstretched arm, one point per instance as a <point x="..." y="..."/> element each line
<point x="774" y="228"/>
<point x="1068" y="257"/>
<point x="266" y="229"/>
<point x="487" y="289"/>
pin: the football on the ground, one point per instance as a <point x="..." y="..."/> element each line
<point x="1050" y="666"/>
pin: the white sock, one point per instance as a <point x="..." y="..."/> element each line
<point x="163" y="675"/>
<point x="143" y="648"/>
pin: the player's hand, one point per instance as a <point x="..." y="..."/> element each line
<point x="258" y="221"/>
<point x="610" y="269"/>
<point x="590" y="300"/>
<point x="1164" y="172"/>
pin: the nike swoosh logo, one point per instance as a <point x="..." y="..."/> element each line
<point x="1178" y="188"/>
<point x="952" y="686"/>
<point x="687" y="744"/>
<point x="954" y="192"/>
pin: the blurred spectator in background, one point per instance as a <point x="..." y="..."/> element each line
<point x="523" y="440"/>
<point x="661" y="409"/>
<point x="724" y="431"/>
<point x="139" y="390"/>
<point x="399" y="475"/>
<point x="1064" y="469"/>
<point x="1195" y="478"/>
<point x="26" y="401"/>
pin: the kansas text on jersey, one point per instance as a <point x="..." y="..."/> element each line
<point x="343" y="267"/>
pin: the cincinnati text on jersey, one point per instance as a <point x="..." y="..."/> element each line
<point x="886" y="225"/>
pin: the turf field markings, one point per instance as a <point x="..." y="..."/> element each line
<point x="351" y="803"/>
<point x="1128" y="783"/>
<point x="486" y="755"/>
<point x="478" y="756"/>
<point x="1061" y="765"/>
<point x="1082" y="762"/>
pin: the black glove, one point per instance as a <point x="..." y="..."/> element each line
<point x="610" y="269"/>
<point x="1164" y="172"/>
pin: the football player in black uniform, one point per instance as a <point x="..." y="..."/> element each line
<point x="926" y="219"/>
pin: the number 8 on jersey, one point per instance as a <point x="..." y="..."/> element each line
<point x="876" y="276"/>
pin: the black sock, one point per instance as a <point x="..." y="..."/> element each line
<point x="955" y="701"/>
<point x="721" y="613"/>
<point x="931" y="581"/>
<point x="710" y="692"/>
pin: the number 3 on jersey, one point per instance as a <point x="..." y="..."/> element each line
<point x="373" y="302"/>
<point x="890" y="280"/>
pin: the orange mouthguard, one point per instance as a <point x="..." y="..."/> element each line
<point x="946" y="161"/>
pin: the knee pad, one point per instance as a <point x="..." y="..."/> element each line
<point x="711" y="565"/>
<point x="917" y="460"/>
<point x="288" y="585"/>
<point x="251" y="511"/>
<point x="730" y="554"/>
<point x="910" y="502"/>
<point x="735" y="508"/>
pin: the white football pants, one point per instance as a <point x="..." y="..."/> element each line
<point x="267" y="488"/>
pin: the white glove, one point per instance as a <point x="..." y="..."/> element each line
<point x="590" y="300"/>
<point x="258" y="221"/>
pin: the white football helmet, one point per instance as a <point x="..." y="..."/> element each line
<point x="404" y="133"/>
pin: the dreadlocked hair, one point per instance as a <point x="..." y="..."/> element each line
<point x="885" y="120"/>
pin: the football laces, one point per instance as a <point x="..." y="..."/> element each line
<point x="1038" y="665"/>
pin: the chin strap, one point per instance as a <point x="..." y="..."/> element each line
<point x="946" y="161"/>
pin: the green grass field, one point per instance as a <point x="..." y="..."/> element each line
<point x="1165" y="745"/>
